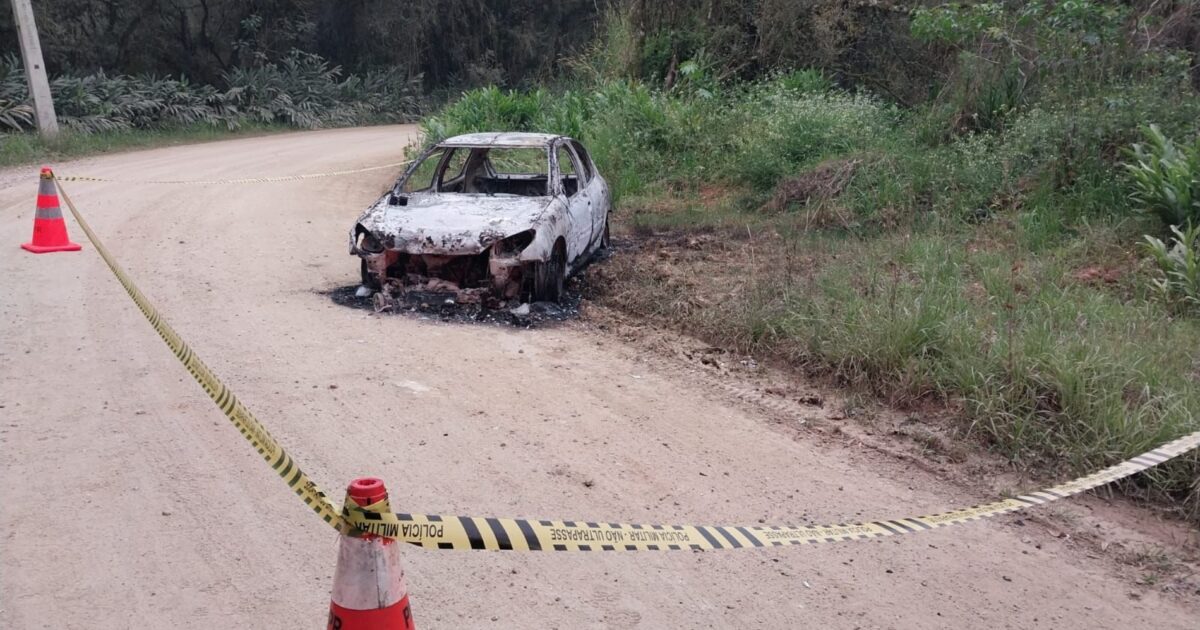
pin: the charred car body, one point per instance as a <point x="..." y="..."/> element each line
<point x="486" y="218"/>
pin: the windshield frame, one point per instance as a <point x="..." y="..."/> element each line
<point x="448" y="150"/>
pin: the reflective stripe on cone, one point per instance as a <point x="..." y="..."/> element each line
<point x="369" y="590"/>
<point x="49" y="228"/>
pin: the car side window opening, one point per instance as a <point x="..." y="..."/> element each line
<point x="421" y="178"/>
<point x="451" y="178"/>
<point x="520" y="171"/>
<point x="585" y="161"/>
<point x="569" y="169"/>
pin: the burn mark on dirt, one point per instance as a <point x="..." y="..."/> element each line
<point x="437" y="306"/>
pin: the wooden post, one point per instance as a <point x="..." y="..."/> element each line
<point x="35" y="68"/>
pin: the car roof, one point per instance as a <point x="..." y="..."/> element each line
<point x="501" y="139"/>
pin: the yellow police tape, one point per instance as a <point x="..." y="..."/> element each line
<point x="466" y="532"/>
<point x="229" y="404"/>
<point x="244" y="180"/>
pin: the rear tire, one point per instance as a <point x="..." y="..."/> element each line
<point x="606" y="238"/>
<point x="550" y="277"/>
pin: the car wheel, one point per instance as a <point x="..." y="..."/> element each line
<point x="549" y="277"/>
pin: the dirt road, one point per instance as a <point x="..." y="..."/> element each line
<point x="128" y="500"/>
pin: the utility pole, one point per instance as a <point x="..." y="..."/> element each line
<point x="35" y="68"/>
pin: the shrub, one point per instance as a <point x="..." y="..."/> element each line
<point x="788" y="131"/>
<point x="1166" y="178"/>
<point x="302" y="90"/>
<point x="1179" y="264"/>
<point x="805" y="81"/>
<point x="15" y="116"/>
<point x="488" y="109"/>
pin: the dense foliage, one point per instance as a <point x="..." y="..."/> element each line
<point x="1166" y="178"/>
<point x="445" y="41"/>
<point x="302" y="90"/>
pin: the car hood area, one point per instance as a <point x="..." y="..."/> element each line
<point x="451" y="223"/>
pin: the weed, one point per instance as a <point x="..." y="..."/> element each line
<point x="1166" y="178"/>
<point x="1179" y="266"/>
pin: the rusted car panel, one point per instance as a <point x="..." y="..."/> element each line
<point x="452" y="224"/>
<point x="479" y="233"/>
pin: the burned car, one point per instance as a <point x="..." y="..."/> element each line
<point x="490" y="218"/>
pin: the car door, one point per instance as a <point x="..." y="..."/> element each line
<point x="597" y="191"/>
<point x="579" y="203"/>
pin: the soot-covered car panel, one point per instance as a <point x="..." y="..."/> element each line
<point x="488" y="218"/>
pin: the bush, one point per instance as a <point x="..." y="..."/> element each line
<point x="488" y="109"/>
<point x="1179" y="265"/>
<point x="790" y="131"/>
<point x="302" y="90"/>
<point x="1166" y="178"/>
<point x="805" y="81"/>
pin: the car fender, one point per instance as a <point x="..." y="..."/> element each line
<point x="548" y="229"/>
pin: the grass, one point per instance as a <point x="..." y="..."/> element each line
<point x="19" y="149"/>
<point x="1055" y="357"/>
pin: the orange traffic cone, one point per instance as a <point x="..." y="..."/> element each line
<point x="49" y="229"/>
<point x="369" y="592"/>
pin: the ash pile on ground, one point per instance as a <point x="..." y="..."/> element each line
<point x="441" y="308"/>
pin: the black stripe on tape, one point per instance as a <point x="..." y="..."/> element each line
<point x="887" y="527"/>
<point x="473" y="536"/>
<point x="501" y="536"/>
<point x="1156" y="456"/>
<point x="751" y="537"/>
<point x="709" y="537"/>
<point x="531" y="538"/>
<point x="732" y="541"/>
